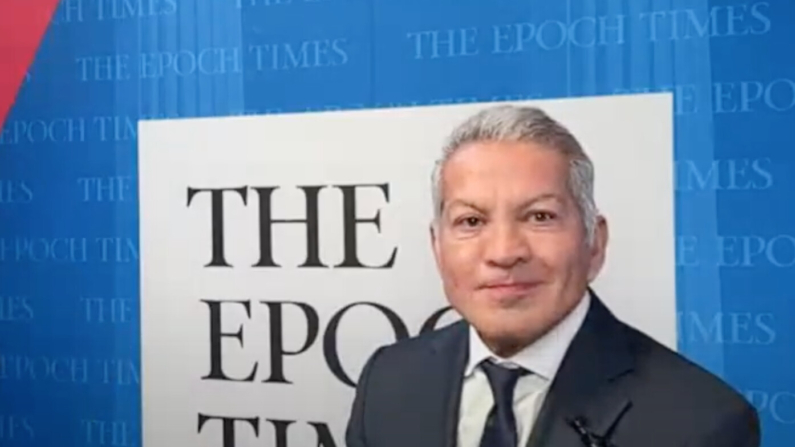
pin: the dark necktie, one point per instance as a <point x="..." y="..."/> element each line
<point x="500" y="429"/>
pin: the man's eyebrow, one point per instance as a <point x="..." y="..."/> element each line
<point x="542" y="198"/>
<point x="527" y="203"/>
<point x="466" y="203"/>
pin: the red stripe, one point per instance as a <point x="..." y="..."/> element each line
<point x="22" y="26"/>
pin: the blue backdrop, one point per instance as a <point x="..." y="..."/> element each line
<point x="69" y="319"/>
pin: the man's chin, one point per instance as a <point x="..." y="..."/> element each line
<point x="505" y="304"/>
<point x="503" y="343"/>
<point x="508" y="333"/>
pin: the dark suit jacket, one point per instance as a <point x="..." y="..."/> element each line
<point x="625" y="385"/>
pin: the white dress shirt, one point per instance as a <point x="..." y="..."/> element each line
<point x="542" y="359"/>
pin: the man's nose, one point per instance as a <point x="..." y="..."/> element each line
<point x="507" y="246"/>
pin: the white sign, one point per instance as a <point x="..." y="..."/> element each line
<point x="257" y="321"/>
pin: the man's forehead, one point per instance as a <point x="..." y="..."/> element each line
<point x="533" y="173"/>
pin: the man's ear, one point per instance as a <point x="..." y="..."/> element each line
<point x="598" y="250"/>
<point x="433" y="232"/>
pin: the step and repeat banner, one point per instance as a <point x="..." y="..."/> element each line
<point x="277" y="253"/>
<point x="118" y="327"/>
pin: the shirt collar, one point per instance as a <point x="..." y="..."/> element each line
<point x="544" y="356"/>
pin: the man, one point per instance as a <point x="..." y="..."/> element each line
<point x="538" y="359"/>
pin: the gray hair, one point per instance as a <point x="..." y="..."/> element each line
<point x="512" y="123"/>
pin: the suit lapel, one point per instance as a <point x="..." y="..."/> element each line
<point x="446" y="376"/>
<point x="589" y="383"/>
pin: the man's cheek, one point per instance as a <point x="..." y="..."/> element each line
<point x="459" y="279"/>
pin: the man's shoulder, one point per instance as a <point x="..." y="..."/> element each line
<point x="670" y="375"/>
<point x="408" y="350"/>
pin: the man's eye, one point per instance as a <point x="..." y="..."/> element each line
<point x="542" y="216"/>
<point x="470" y="221"/>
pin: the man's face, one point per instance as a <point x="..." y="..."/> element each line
<point x="510" y="244"/>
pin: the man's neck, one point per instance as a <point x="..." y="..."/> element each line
<point x="543" y="354"/>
